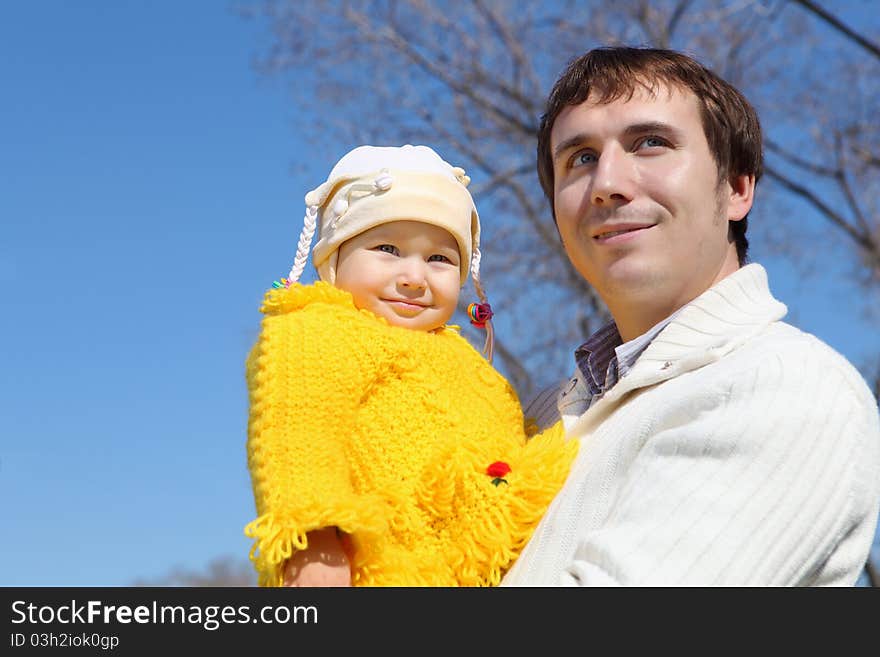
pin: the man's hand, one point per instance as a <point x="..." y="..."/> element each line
<point x="323" y="563"/>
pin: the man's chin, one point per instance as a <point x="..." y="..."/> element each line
<point x="623" y="278"/>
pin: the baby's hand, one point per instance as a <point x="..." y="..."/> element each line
<point x="323" y="563"/>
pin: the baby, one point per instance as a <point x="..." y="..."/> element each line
<point x="384" y="450"/>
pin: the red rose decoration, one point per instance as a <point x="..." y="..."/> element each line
<point x="498" y="469"/>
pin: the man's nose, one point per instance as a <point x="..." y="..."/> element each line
<point x="613" y="178"/>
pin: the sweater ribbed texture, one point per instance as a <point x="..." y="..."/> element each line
<point x="738" y="451"/>
<point x="387" y="433"/>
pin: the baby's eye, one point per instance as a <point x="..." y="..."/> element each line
<point x="439" y="257"/>
<point x="387" y="248"/>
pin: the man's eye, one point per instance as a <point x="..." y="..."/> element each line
<point x="651" y="142"/>
<point x="387" y="248"/>
<point x="437" y="257"/>
<point x="583" y="158"/>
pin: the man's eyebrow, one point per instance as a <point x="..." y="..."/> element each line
<point x="635" y="129"/>
<point x="650" y="126"/>
<point x="571" y="142"/>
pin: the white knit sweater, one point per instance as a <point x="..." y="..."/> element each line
<point x="738" y="451"/>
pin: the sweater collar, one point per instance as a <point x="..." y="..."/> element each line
<point x="712" y="325"/>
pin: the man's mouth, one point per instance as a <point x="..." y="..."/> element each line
<point x="613" y="231"/>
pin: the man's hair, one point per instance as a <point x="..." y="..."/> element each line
<point x="730" y="123"/>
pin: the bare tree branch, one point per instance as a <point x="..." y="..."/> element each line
<point x="860" y="239"/>
<point x="838" y="25"/>
<point x="404" y="46"/>
<point x="773" y="147"/>
<point x="678" y="13"/>
<point x="866" y="156"/>
<point x="522" y="63"/>
<point x="843" y="182"/>
<point x="502" y="177"/>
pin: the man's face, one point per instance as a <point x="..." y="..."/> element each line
<point x="405" y="271"/>
<point x="638" y="203"/>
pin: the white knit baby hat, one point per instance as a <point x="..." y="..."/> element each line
<point x="374" y="185"/>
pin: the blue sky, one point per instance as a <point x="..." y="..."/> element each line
<point x="151" y="188"/>
<point x="144" y="170"/>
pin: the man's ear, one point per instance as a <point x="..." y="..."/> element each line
<point x="741" y="195"/>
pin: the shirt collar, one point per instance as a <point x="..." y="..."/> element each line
<point x="628" y="352"/>
<point x="594" y="356"/>
<point x="604" y="357"/>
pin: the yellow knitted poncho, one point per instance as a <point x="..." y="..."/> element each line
<point x="387" y="433"/>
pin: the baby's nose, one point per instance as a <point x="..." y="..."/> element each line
<point x="412" y="273"/>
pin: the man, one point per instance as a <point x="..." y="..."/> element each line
<point x="719" y="445"/>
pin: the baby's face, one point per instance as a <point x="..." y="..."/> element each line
<point x="405" y="271"/>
